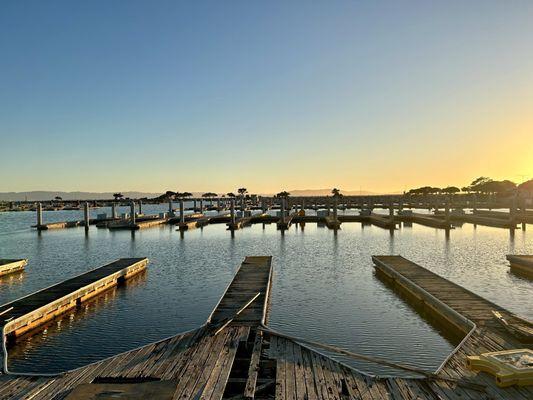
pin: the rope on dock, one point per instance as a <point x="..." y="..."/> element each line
<point x="376" y="360"/>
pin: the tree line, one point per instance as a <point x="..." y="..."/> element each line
<point x="481" y="185"/>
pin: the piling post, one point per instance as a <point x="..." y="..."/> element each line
<point x="182" y="215"/>
<point x="242" y="205"/>
<point x="303" y="205"/>
<point x="335" y="204"/>
<point x="523" y="213"/>
<point x="140" y="207"/>
<point x="263" y="206"/>
<point x="282" y="210"/>
<point x="447" y="211"/>
<point x="114" y="211"/>
<point x="194" y="205"/>
<point x="39" y="214"/>
<point x="86" y="216"/>
<point x="474" y="204"/>
<point x="132" y="212"/>
<point x="201" y="205"/>
<point x="391" y="210"/>
<point x="512" y="211"/>
<point x="170" y="213"/>
<point x="232" y="211"/>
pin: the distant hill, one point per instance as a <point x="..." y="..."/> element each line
<point x="49" y="195"/>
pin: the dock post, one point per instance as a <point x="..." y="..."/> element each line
<point x="140" y="207"/>
<point x="232" y="211"/>
<point x="194" y="205"/>
<point x="242" y="204"/>
<point x="114" y="211"/>
<point x="132" y="212"/>
<point x="86" y="216"/>
<point x="391" y="210"/>
<point x="474" y="204"/>
<point x="335" y="201"/>
<point x="170" y="213"/>
<point x="512" y="211"/>
<point x="201" y="205"/>
<point x="263" y="206"/>
<point x="39" y="214"/>
<point x="447" y="211"/>
<point x="303" y="205"/>
<point x="523" y="213"/>
<point x="182" y="215"/>
<point x="282" y="210"/>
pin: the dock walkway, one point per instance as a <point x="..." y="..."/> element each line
<point x="27" y="313"/>
<point x="462" y="311"/>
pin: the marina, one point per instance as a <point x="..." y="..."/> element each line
<point x="266" y="200"/>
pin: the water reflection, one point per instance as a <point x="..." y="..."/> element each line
<point x="324" y="285"/>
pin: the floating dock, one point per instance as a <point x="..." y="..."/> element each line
<point x="235" y="356"/>
<point x="463" y="312"/>
<point x="9" y="266"/>
<point x="25" y="314"/>
<point x="521" y="265"/>
<point x="423" y="219"/>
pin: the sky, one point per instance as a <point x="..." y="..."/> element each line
<point x="273" y="95"/>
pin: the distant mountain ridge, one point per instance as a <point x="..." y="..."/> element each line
<point x="42" y="195"/>
<point x="47" y="195"/>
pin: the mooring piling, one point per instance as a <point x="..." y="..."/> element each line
<point x="86" y="216"/>
<point x="182" y="215"/>
<point x="39" y="214"/>
<point x="232" y="211"/>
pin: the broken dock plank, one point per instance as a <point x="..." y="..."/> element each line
<point x="254" y="276"/>
<point x="29" y="312"/>
<point x="9" y="266"/>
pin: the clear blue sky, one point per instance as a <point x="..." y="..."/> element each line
<point x="157" y="95"/>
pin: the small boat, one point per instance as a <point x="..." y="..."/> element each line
<point x="520" y="328"/>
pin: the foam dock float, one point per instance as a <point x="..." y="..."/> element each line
<point x="9" y="266"/>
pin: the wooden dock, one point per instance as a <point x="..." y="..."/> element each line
<point x="235" y="356"/>
<point x="382" y="221"/>
<point x="463" y="312"/>
<point x="29" y="312"/>
<point x="9" y="266"/>
<point x="128" y="225"/>
<point x="423" y="219"/>
<point x="521" y="265"/>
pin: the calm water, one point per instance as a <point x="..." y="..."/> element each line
<point x="324" y="285"/>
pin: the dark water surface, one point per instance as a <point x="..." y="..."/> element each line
<point x="324" y="286"/>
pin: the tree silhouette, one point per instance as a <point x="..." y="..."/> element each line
<point x="336" y="192"/>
